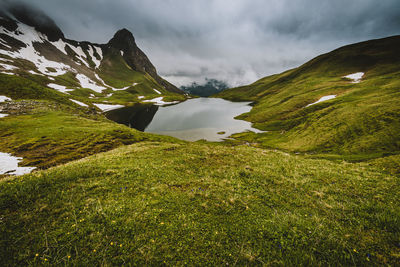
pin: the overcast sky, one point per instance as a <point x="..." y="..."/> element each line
<point x="238" y="41"/>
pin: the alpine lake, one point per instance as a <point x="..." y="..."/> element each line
<point x="211" y="119"/>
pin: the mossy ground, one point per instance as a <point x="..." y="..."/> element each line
<point x="156" y="203"/>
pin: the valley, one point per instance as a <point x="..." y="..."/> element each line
<point x="117" y="166"/>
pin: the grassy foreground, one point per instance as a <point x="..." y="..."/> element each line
<point x="200" y="204"/>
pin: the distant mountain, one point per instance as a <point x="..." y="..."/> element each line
<point x="33" y="48"/>
<point x="212" y="86"/>
<point x="345" y="101"/>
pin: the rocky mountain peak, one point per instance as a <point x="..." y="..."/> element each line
<point x="124" y="35"/>
<point x="123" y="40"/>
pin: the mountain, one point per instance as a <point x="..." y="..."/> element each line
<point x="33" y="48"/>
<point x="54" y="90"/>
<point x="211" y="87"/>
<point x="344" y="102"/>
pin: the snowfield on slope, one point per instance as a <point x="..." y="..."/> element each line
<point x="108" y="107"/>
<point x="9" y="165"/>
<point x="322" y="99"/>
<point x="94" y="59"/>
<point x="79" y="103"/>
<point x="159" y="101"/>
<point x="88" y="83"/>
<point x="59" y="88"/>
<point x="356" y="77"/>
<point x="80" y="54"/>
<point x="28" y="35"/>
<point x="4" y="98"/>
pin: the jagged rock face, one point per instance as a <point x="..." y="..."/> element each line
<point x="124" y="41"/>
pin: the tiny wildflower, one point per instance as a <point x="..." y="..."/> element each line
<point x="36" y="255"/>
<point x="45" y="259"/>
<point x="120" y="245"/>
<point x="68" y="256"/>
<point x="94" y="250"/>
<point x="162" y="223"/>
<point x="112" y="243"/>
<point x="355" y="250"/>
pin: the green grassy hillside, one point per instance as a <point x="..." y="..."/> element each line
<point x="46" y="128"/>
<point x="362" y="120"/>
<point x="156" y="203"/>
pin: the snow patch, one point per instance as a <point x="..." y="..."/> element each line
<point x="324" y="98"/>
<point x="59" y="88"/>
<point x="4" y="98"/>
<point x="5" y="44"/>
<point x="80" y="54"/>
<point x="79" y="103"/>
<point x="159" y="101"/>
<point x="35" y="73"/>
<point x="99" y="51"/>
<point x="101" y="80"/>
<point x="60" y="45"/>
<point x="2" y="115"/>
<point x="158" y="92"/>
<point x="6" y="60"/>
<point x="9" y="165"/>
<point x="122" y="53"/>
<point x="140" y="97"/>
<point x="105" y="107"/>
<point x="94" y="59"/>
<point x="120" y="89"/>
<point x="356" y="77"/>
<point x="28" y="35"/>
<point x="8" y="73"/>
<point x="88" y="83"/>
<point x="8" y="67"/>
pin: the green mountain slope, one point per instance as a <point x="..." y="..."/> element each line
<point x="33" y="47"/>
<point x="363" y="119"/>
<point x="57" y="89"/>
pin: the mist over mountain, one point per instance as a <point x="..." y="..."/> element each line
<point x="210" y="87"/>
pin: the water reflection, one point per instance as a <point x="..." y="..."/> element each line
<point x="138" y="116"/>
<point x="211" y="119"/>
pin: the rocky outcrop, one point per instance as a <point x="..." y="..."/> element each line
<point x="124" y="41"/>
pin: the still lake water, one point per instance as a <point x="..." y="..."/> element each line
<point x="194" y="119"/>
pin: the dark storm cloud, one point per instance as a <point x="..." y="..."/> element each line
<point x="237" y="41"/>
